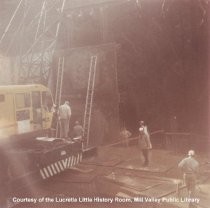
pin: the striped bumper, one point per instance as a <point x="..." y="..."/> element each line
<point x="60" y="166"/>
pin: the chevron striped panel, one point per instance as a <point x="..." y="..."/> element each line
<point x="60" y="166"/>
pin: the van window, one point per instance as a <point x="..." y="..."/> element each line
<point x="2" y="98"/>
<point x="22" y="100"/>
<point x="22" y="115"/>
<point x="36" y="100"/>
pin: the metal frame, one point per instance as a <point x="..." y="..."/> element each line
<point x="35" y="63"/>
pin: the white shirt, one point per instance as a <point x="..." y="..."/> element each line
<point x="143" y="129"/>
<point x="64" y="111"/>
<point x="189" y="165"/>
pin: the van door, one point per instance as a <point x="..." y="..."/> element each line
<point x="22" y="112"/>
<point x="7" y="115"/>
<point x="37" y="110"/>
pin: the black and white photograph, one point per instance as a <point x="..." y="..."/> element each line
<point x="104" y="103"/>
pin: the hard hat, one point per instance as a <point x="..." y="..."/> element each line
<point x="191" y="152"/>
<point x="141" y="129"/>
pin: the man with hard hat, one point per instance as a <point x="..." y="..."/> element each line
<point x="144" y="142"/>
<point x="189" y="167"/>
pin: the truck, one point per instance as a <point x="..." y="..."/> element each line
<point x="26" y="150"/>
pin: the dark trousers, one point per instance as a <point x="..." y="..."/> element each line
<point x="190" y="181"/>
<point x="145" y="153"/>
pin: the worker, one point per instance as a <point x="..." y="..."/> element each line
<point x="144" y="142"/>
<point x="189" y="167"/>
<point x="54" y="123"/>
<point x="125" y="134"/>
<point x="64" y="114"/>
<point x="78" y="131"/>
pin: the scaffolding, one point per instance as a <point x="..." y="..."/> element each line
<point x="35" y="48"/>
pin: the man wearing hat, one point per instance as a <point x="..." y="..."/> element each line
<point x="78" y="130"/>
<point x="144" y="142"/>
<point x="189" y="167"/>
<point x="64" y="114"/>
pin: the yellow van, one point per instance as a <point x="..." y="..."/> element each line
<point x="25" y="109"/>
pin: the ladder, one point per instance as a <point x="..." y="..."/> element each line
<point x="59" y="85"/>
<point x="89" y="100"/>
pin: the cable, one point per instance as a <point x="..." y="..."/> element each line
<point x="10" y="22"/>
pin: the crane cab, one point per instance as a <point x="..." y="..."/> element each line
<point x="25" y="109"/>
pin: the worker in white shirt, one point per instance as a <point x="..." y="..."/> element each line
<point x="64" y="114"/>
<point x="189" y="166"/>
<point x="144" y="142"/>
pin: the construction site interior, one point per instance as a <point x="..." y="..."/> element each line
<point x="118" y="63"/>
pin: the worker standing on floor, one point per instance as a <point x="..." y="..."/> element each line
<point x="144" y="142"/>
<point x="64" y="114"/>
<point x="125" y="134"/>
<point x="190" y="167"/>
